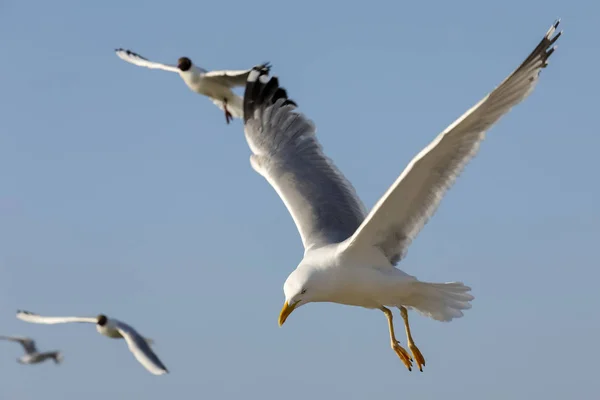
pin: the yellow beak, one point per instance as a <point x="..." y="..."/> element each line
<point x="285" y="312"/>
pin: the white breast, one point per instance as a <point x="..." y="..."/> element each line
<point x="109" y="329"/>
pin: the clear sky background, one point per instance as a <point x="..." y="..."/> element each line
<point x="123" y="192"/>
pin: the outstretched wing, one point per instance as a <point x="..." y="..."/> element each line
<point x="409" y="203"/>
<point x="28" y="316"/>
<point x="140" y="348"/>
<point x="323" y="204"/>
<point x="27" y="343"/>
<point x="234" y="78"/>
<point x="138" y="60"/>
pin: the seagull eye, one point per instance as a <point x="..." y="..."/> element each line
<point x="303" y="291"/>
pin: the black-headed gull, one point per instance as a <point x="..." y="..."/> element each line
<point x="32" y="355"/>
<point x="138" y="345"/>
<point x="350" y="255"/>
<point x="216" y="85"/>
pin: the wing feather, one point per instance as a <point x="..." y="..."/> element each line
<point x="323" y="204"/>
<point x="233" y="78"/>
<point x="140" y="348"/>
<point x="136" y="59"/>
<point x="409" y="203"/>
<point x="27" y="343"/>
<point x="28" y="316"/>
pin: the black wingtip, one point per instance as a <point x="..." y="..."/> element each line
<point x="262" y="90"/>
<point x="545" y="48"/>
<point x="130" y="53"/>
<point x="552" y="35"/>
<point x="547" y="44"/>
<point x="265" y="67"/>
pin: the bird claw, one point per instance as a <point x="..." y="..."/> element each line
<point x="417" y="356"/>
<point x="228" y="116"/>
<point x="403" y="354"/>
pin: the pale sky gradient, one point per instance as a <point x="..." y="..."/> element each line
<point x="125" y="193"/>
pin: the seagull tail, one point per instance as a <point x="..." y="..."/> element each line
<point x="235" y="106"/>
<point x="440" y="301"/>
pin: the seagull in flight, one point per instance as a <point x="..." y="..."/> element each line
<point x="115" y="329"/>
<point x="216" y="85"/>
<point x="32" y="355"/>
<point x="349" y="255"/>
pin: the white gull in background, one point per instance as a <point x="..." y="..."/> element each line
<point x="32" y="355"/>
<point x="216" y="85"/>
<point x="138" y="345"/>
<point x="350" y="256"/>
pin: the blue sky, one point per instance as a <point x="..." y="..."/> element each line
<point x="125" y="193"/>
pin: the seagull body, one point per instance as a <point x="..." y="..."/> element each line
<point x="112" y="328"/>
<point x="32" y="355"/>
<point x="216" y="85"/>
<point x="350" y="256"/>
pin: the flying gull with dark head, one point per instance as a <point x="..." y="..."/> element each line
<point x="112" y="328"/>
<point x="217" y="85"/>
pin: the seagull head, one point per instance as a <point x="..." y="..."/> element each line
<point x="304" y="285"/>
<point x="184" y="64"/>
<point x="101" y="320"/>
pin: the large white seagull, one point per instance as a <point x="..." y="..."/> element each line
<point x="350" y="256"/>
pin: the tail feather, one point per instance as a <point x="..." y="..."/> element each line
<point x="235" y="106"/>
<point x="440" y="301"/>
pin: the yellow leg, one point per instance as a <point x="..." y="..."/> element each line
<point x="400" y="351"/>
<point x="411" y="344"/>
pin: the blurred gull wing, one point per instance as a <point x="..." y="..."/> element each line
<point x="140" y="61"/>
<point x="140" y="348"/>
<point x="28" y="316"/>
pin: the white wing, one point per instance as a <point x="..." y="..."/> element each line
<point x="38" y="319"/>
<point x="233" y="78"/>
<point x="138" y="60"/>
<point x="401" y="213"/>
<point x="140" y="348"/>
<point x="27" y="343"/>
<point x="322" y="202"/>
